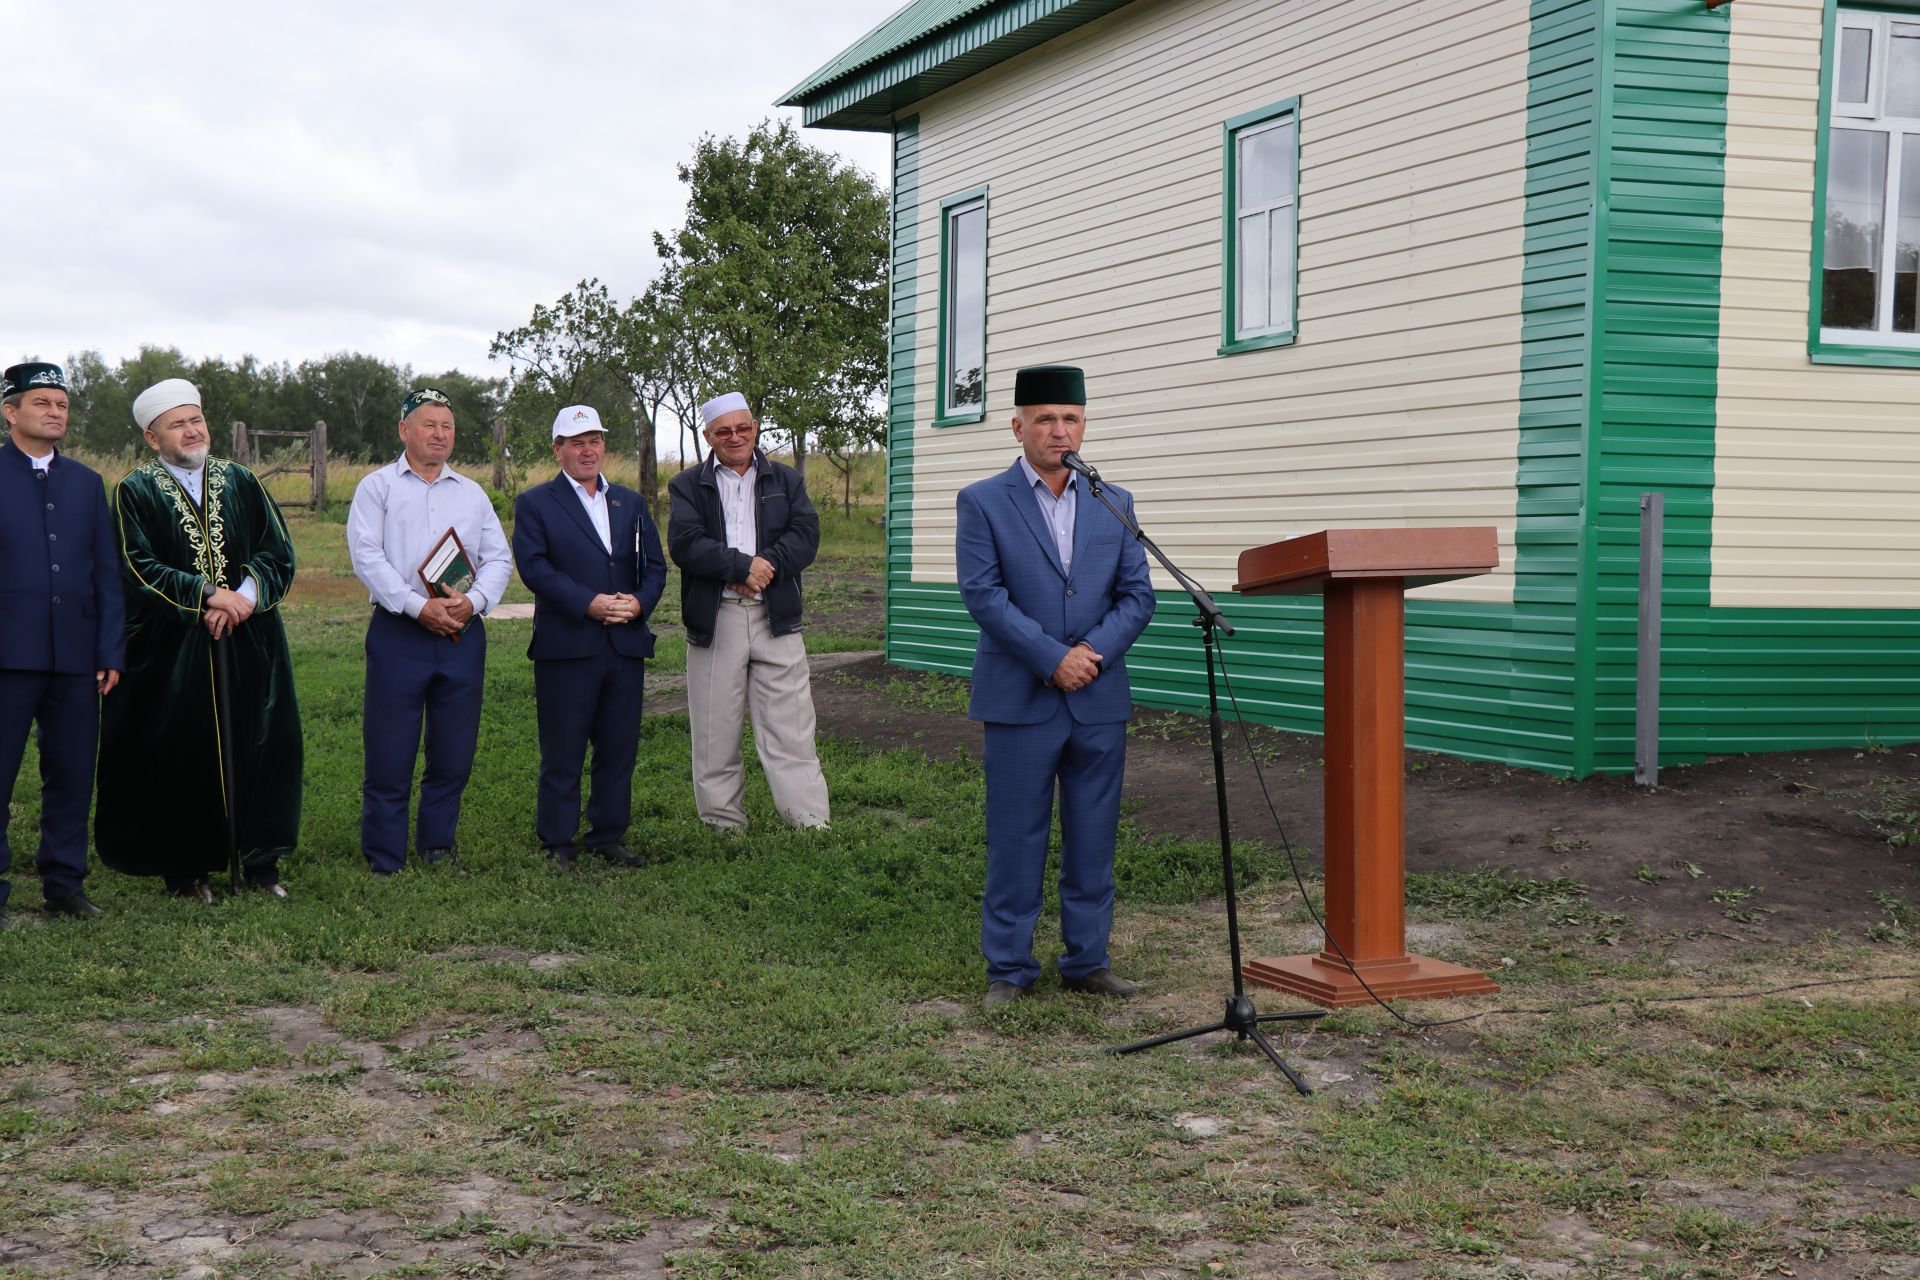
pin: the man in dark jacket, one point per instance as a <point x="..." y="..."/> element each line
<point x="62" y="626"/>
<point x="589" y="552"/>
<point x="741" y="529"/>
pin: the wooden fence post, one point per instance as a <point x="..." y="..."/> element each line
<point x="317" y="451"/>
<point x="499" y="453"/>
<point x="240" y="443"/>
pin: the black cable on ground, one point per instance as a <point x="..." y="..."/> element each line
<point x="1419" y="1024"/>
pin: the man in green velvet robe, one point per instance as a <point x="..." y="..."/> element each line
<point x="205" y="560"/>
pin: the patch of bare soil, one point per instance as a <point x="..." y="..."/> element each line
<point x="480" y="1224"/>
<point x="1738" y="852"/>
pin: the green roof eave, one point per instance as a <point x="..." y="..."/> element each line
<point x="924" y="48"/>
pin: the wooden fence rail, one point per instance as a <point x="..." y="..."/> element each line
<point x="314" y="464"/>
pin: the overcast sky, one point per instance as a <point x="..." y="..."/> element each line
<point x="399" y="178"/>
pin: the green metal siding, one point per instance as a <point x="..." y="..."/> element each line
<point x="1658" y="374"/>
<point x="1746" y="680"/>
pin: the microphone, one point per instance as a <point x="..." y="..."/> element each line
<point x="1076" y="464"/>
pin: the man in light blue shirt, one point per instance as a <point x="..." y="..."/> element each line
<point x="426" y="655"/>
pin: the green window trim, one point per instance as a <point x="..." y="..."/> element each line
<point x="1819" y="350"/>
<point x="941" y="418"/>
<point x="1230" y="344"/>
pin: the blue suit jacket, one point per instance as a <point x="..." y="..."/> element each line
<point x="62" y="608"/>
<point x="562" y="562"/>
<point x="1031" y="610"/>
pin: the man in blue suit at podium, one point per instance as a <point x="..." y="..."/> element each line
<point x="591" y="555"/>
<point x="1061" y="591"/>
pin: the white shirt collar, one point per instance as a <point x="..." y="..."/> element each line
<point x="719" y="466"/>
<point x="600" y="490"/>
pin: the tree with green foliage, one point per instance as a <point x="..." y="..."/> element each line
<point x="570" y="352"/>
<point x="781" y="269"/>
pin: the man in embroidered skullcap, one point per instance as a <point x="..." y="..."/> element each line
<point x="426" y="649"/>
<point x="62" y="635"/>
<point x="205" y="559"/>
<point x="589" y="552"/>
<point x="742" y="528"/>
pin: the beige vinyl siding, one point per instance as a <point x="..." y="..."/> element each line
<point x="1817" y="467"/>
<point x="1399" y="403"/>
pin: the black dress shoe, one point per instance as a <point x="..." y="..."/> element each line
<point x="445" y="859"/>
<point x="1003" y="993"/>
<point x="1101" y="982"/>
<point x="562" y="857"/>
<point x="73" y="904"/>
<point x="620" y="856"/>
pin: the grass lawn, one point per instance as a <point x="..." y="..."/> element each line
<point x="763" y="1056"/>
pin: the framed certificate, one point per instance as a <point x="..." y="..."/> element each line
<point x="448" y="568"/>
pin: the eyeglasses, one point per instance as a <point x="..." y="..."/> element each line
<point x="727" y="433"/>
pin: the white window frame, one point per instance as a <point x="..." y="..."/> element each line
<point x="1869" y="117"/>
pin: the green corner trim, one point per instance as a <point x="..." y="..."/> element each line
<point x="977" y="195"/>
<point x="1817" y="262"/>
<point x="1586" y="597"/>
<point x="1229" y="231"/>
<point x="902" y="335"/>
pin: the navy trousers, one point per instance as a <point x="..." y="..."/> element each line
<point x="1023" y="763"/>
<point x="67" y="709"/>
<point x="581" y="702"/>
<point x="412" y="675"/>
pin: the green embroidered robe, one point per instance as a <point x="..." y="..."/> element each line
<point x="160" y="800"/>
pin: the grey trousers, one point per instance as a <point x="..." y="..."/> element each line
<point x="748" y="667"/>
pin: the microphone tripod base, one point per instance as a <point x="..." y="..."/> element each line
<point x="1241" y="1019"/>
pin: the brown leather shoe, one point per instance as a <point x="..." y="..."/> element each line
<point x="1101" y="982"/>
<point x="999" y="993"/>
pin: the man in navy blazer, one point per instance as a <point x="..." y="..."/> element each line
<point x="1061" y="591"/>
<point x="62" y="626"/>
<point x="591" y="555"/>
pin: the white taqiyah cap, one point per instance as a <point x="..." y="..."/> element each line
<point x="575" y="420"/>
<point x="731" y="402"/>
<point x="162" y="396"/>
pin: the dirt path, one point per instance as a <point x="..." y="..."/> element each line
<point x="1737" y="852"/>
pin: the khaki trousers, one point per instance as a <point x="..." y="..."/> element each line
<point x="748" y="667"/>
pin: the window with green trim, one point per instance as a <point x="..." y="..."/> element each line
<point x="1261" y="228"/>
<point x="963" y="308"/>
<point x="1870" y="234"/>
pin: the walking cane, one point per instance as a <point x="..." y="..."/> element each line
<point x="223" y="721"/>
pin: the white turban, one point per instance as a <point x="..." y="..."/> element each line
<point x="162" y="396"/>
<point x="731" y="402"/>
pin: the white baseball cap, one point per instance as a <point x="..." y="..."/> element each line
<point x="576" y="420"/>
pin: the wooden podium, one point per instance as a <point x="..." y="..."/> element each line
<point x="1364" y="574"/>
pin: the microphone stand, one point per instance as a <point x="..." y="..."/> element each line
<point x="1240" y="1016"/>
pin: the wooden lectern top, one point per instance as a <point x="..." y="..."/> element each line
<point x="1418" y="557"/>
